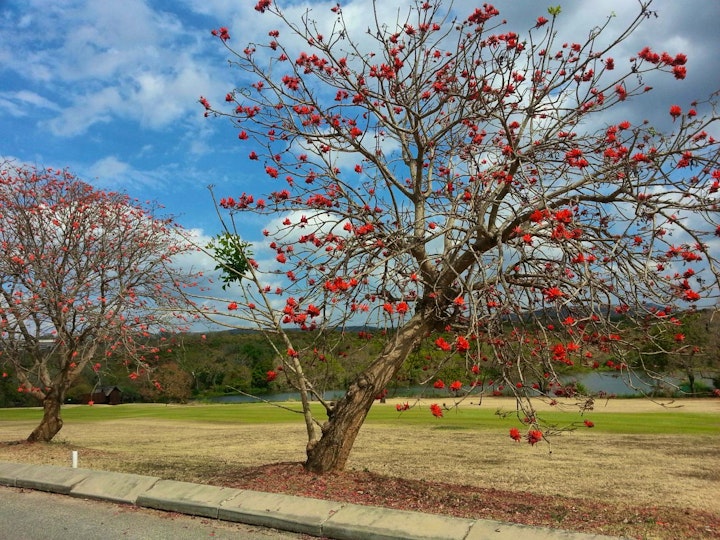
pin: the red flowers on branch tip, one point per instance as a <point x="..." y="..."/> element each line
<point x="222" y="33"/>
<point x="442" y="344"/>
<point x="552" y="294"/>
<point x="589" y="423"/>
<point x="680" y="72"/>
<point x="402" y="406"/>
<point x="515" y="434"/>
<point x="455" y="386"/>
<point x="439" y="384"/>
<point x="271" y="375"/>
<point x="691" y="296"/>
<point x="675" y="111"/>
<point x="262" y="5"/>
<point x="462" y="344"/>
<point x="232" y="306"/>
<point x="534" y="436"/>
<point x="436" y="410"/>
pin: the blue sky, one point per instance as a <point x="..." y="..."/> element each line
<point x="109" y="88"/>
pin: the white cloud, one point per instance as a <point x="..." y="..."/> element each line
<point x="18" y="104"/>
<point x="109" y="167"/>
<point x="107" y="61"/>
<point x="87" y="110"/>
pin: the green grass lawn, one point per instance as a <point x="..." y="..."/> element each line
<point x="663" y="421"/>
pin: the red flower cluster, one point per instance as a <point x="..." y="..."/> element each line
<point x="222" y="33"/>
<point x="677" y="62"/>
<point x="262" y="5"/>
<point x="461" y="344"/>
<point x="340" y="285"/>
<point x="534" y="436"/>
<point x="552" y="294"/>
<point x="436" y="410"/>
<point x="402" y="406"/>
<point x="442" y="344"/>
<point x="515" y="434"/>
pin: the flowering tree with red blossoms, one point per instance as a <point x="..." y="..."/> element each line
<point x="87" y="278"/>
<point x="447" y="179"/>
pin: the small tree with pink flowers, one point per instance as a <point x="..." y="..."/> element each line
<point x="444" y="178"/>
<point x="87" y="278"/>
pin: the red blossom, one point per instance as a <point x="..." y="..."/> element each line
<point x="222" y="33"/>
<point x="675" y="111"/>
<point x="232" y="306"/>
<point x="455" y="386"/>
<point x="439" y="384"/>
<point x="262" y="5"/>
<point x="442" y="344"/>
<point x="461" y="344"/>
<point x="271" y="375"/>
<point x="552" y="294"/>
<point x="534" y="436"/>
<point x="589" y="423"/>
<point x="680" y="72"/>
<point x="436" y="410"/>
<point x="691" y="296"/>
<point x="515" y="434"/>
<point x="538" y="215"/>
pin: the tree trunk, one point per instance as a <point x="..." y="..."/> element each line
<point x="51" y="421"/>
<point x="331" y="452"/>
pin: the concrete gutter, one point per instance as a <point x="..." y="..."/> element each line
<point x="284" y="512"/>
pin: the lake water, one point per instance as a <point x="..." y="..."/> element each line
<point x="594" y="382"/>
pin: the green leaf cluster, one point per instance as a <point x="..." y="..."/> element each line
<point x="232" y="255"/>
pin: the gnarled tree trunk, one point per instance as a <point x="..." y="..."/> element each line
<point x="331" y="452"/>
<point x="51" y="421"/>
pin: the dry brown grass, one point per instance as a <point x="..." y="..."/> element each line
<point x="634" y="486"/>
<point x="677" y="471"/>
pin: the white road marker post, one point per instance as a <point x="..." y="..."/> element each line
<point x="74" y="459"/>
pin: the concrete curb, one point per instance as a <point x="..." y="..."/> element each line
<point x="284" y="512"/>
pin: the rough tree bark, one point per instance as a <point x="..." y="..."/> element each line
<point x="52" y="421"/>
<point x="339" y="432"/>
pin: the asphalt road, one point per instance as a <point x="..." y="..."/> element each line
<point x="36" y="515"/>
